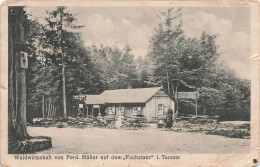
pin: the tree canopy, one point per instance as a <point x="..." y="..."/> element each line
<point x="174" y="61"/>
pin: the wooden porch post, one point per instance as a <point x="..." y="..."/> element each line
<point x="87" y="111"/>
<point x="43" y="114"/>
<point x="196" y="100"/>
<point x="83" y="111"/>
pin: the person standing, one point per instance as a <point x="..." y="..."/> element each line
<point x="118" y="123"/>
<point x="169" y="120"/>
<point x="175" y="115"/>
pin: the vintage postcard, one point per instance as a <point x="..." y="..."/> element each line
<point x="130" y="83"/>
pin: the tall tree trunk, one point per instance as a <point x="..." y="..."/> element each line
<point x="11" y="126"/>
<point x="63" y="71"/>
<point x="167" y="77"/>
<point x="177" y="97"/>
<point x="64" y="88"/>
<point x="173" y="92"/>
<point x="43" y="109"/>
<point x="21" y="115"/>
<point x="17" y="111"/>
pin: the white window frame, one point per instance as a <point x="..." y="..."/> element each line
<point x="160" y="109"/>
<point x="122" y="111"/>
<point x="135" y="110"/>
<point x="110" y="110"/>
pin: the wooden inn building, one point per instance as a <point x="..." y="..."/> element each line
<point x="152" y="103"/>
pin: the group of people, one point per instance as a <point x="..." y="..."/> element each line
<point x="170" y="119"/>
<point x="118" y="122"/>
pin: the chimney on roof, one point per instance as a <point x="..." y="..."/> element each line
<point x="129" y="86"/>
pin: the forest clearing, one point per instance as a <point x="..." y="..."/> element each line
<point x="117" y="141"/>
<point x="189" y="138"/>
<point x="54" y="73"/>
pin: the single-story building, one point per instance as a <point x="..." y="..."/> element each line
<point x="151" y="103"/>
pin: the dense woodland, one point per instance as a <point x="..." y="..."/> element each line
<point x="59" y="60"/>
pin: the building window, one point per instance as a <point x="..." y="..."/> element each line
<point x="135" y="110"/>
<point x="160" y="109"/>
<point x="139" y="110"/>
<point x="120" y="110"/>
<point x="111" y="110"/>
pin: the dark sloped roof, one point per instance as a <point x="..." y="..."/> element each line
<point x="139" y="95"/>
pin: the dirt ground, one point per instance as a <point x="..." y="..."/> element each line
<point x="108" y="141"/>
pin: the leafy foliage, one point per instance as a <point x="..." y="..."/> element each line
<point x="174" y="61"/>
<point x="186" y="64"/>
<point x="116" y="67"/>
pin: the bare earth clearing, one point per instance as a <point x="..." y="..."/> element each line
<point x="108" y="141"/>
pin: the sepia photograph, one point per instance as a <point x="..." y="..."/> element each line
<point x="129" y="80"/>
<point x="137" y="82"/>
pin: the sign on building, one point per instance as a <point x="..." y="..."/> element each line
<point x="188" y="95"/>
<point x="96" y="106"/>
<point x="80" y="105"/>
